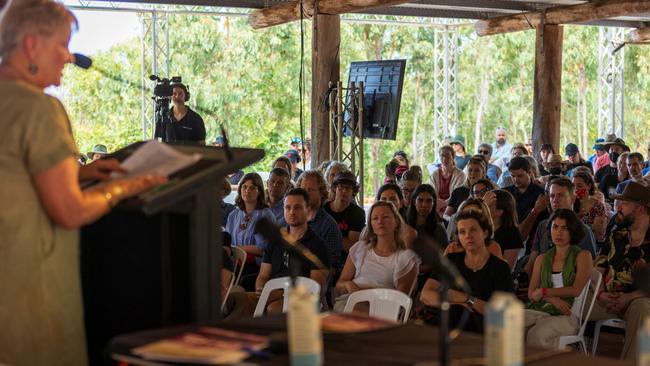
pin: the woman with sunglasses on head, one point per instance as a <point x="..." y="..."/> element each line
<point x="251" y="207"/>
<point x="504" y="217"/>
<point x="41" y="311"/>
<point x="474" y="171"/>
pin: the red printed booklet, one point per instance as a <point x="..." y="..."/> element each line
<point x="207" y="346"/>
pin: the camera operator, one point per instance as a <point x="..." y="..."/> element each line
<point x="188" y="125"/>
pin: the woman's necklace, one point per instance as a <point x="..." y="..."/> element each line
<point x="478" y="264"/>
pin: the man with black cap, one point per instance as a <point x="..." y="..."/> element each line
<point x="574" y="159"/>
<point x="628" y="249"/>
<point x="350" y="217"/>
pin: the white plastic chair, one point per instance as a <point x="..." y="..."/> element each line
<point x="238" y="260"/>
<point x="384" y="303"/>
<point x="613" y="323"/>
<point x="578" y="311"/>
<point x="283" y="283"/>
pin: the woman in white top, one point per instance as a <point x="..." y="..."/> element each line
<point x="380" y="259"/>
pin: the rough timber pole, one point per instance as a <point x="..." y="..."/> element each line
<point x="547" y="97"/>
<point x="325" y="68"/>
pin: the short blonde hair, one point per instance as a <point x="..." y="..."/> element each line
<point x="19" y="17"/>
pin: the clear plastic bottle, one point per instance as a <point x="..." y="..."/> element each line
<point x="304" y="328"/>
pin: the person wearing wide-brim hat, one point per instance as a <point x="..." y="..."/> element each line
<point x="460" y="155"/>
<point x="614" y="146"/>
<point x="97" y="152"/>
<point x="627" y="249"/>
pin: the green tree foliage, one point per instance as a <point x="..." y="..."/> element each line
<point x="247" y="80"/>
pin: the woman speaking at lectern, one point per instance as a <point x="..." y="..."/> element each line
<point x="42" y="203"/>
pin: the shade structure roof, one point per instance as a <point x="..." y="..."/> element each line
<point x="459" y="9"/>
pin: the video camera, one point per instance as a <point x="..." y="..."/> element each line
<point x="164" y="87"/>
<point x="162" y="94"/>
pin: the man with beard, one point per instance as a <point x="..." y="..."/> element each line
<point x="634" y="165"/>
<point x="627" y="250"/>
<point x="277" y="262"/>
<point x="277" y="185"/>
<point x="500" y="149"/>
<point x="350" y="217"/>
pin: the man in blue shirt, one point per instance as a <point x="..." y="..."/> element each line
<point x="634" y="169"/>
<point x="277" y="185"/>
<point x="493" y="172"/>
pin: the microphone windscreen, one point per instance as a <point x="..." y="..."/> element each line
<point x="82" y="61"/>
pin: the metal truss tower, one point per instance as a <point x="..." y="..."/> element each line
<point x="611" y="83"/>
<point x="155" y="61"/>
<point x="346" y="112"/>
<point x="445" y="93"/>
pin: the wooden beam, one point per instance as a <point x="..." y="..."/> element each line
<point x="325" y="67"/>
<point x="547" y="98"/>
<point x="290" y="11"/>
<point x="562" y="15"/>
<point x="639" y="35"/>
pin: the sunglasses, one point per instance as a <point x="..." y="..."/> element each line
<point x="484" y="152"/>
<point x="480" y="192"/>
<point x="244" y="224"/>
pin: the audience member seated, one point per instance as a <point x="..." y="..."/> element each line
<point x="614" y="147"/>
<point x="389" y="171"/>
<point x="319" y="220"/>
<point x="423" y="217"/>
<point x="454" y="244"/>
<point x="226" y="207"/>
<point x="277" y="185"/>
<point x="277" y="262"/>
<point x="334" y="168"/>
<point x="501" y="149"/>
<point x="558" y="278"/>
<point x="392" y="193"/>
<point x="628" y="249"/>
<point x="294" y="159"/>
<point x="561" y="195"/>
<point x="409" y="181"/>
<point x="484" y="272"/>
<point x="523" y="190"/>
<point x="461" y="157"/>
<point x="574" y="158"/>
<point x="282" y="162"/>
<point x="251" y="206"/>
<point x="350" y="218"/>
<point x="593" y="213"/>
<point x="481" y="187"/>
<point x="600" y="157"/>
<point x="493" y="172"/>
<point x="402" y="158"/>
<point x="446" y="178"/>
<point x="504" y="218"/>
<point x="555" y="168"/>
<point x="474" y="171"/>
<point x="518" y="149"/>
<point x="609" y="183"/>
<point x="634" y="164"/>
<point x="544" y="152"/>
<point x="380" y="259"/>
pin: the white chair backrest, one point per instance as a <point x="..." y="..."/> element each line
<point x="384" y="303"/>
<point x="283" y="283"/>
<point x="578" y="308"/>
<point x="239" y="260"/>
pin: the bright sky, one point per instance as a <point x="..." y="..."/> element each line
<point x="99" y="30"/>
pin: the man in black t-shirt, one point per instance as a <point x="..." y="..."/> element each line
<point x="187" y="125"/>
<point x="350" y="218"/>
<point x="276" y="260"/>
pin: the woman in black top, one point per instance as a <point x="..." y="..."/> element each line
<point x="484" y="272"/>
<point x="504" y="217"/>
<point x="422" y="214"/>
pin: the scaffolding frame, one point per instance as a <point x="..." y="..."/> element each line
<point x="611" y="81"/>
<point x="346" y="114"/>
<point x="445" y="93"/>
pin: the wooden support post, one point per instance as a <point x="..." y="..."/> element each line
<point x="547" y="97"/>
<point x="325" y="67"/>
<point x="639" y="35"/>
